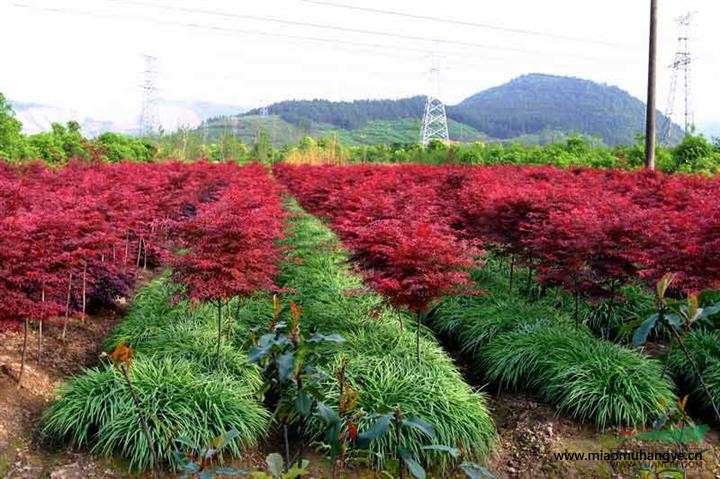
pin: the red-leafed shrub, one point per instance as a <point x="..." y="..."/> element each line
<point x="73" y="239"/>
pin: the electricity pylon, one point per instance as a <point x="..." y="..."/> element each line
<point x="681" y="63"/>
<point x="148" y="117"/>
<point x="434" y="123"/>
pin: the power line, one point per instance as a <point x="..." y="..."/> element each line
<point x="322" y="26"/>
<point x="463" y="22"/>
<point x="331" y="41"/>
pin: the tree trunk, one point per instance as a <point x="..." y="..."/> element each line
<point x="512" y="270"/>
<point x="84" y="291"/>
<point x="287" y="446"/>
<point x="40" y="331"/>
<point x="127" y="248"/>
<point x="144" y="255"/>
<point x="24" y="351"/>
<point x="139" y="255"/>
<point x="692" y="362"/>
<point x="417" y="336"/>
<point x="67" y="307"/>
<point x="40" y="342"/>
<point x="219" y="332"/>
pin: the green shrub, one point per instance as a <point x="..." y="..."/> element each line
<point x="704" y="348"/>
<point x="96" y="410"/>
<point x="585" y="377"/>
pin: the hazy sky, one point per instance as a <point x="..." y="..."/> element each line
<point x="86" y="55"/>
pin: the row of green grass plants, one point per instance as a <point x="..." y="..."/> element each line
<point x="523" y="344"/>
<point x="379" y="347"/>
<point x="176" y="377"/>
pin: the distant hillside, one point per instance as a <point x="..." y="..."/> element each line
<point x="345" y="114"/>
<point x="281" y="132"/>
<point x="534" y="103"/>
<point x="531" y="108"/>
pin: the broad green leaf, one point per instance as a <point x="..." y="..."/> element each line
<point x="226" y="438"/>
<point x="297" y="471"/>
<point x="421" y="425"/>
<point x="414" y="467"/>
<point x="378" y="429"/>
<point x="476" y="471"/>
<point x="328" y="414"/>
<point x="285" y="363"/>
<point x="453" y="451"/>
<point x="275" y="464"/>
<point x="334" y="338"/>
<point x="303" y="403"/>
<point x="231" y="471"/>
<point x="641" y="334"/>
<point x="259" y="352"/>
<point x="674" y="320"/>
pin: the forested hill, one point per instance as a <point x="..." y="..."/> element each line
<point x="533" y="108"/>
<point x="347" y="115"/>
<point x="533" y="103"/>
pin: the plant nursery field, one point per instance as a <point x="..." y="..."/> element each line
<point x="214" y="320"/>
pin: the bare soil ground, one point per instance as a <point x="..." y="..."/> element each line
<point x="529" y="431"/>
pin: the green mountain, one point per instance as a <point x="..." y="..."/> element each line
<point x="532" y="108"/>
<point x="534" y="103"/>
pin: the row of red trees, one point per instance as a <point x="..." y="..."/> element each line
<point x="74" y="238"/>
<point x="585" y="230"/>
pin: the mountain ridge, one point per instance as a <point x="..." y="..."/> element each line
<point x="532" y="105"/>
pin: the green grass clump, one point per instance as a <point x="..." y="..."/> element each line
<point x="96" y="410"/>
<point x="179" y="383"/>
<point x="534" y="346"/>
<point x="382" y="365"/>
<point x="704" y="347"/>
<point x="584" y="377"/>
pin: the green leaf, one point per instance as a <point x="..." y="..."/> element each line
<point x="285" y="364"/>
<point x="260" y="475"/>
<point x="641" y="334"/>
<point x="414" y="467"/>
<point x="333" y="338"/>
<point x="226" y="438"/>
<point x="421" y="425"/>
<point x="259" y="352"/>
<point x="186" y="441"/>
<point x="303" y="403"/>
<point x="231" y="471"/>
<point x="378" y="429"/>
<point x="476" y="471"/>
<point x="275" y="464"/>
<point x="674" y="320"/>
<point x="453" y="451"/>
<point x="671" y="474"/>
<point x="297" y="471"/>
<point x="328" y="414"/>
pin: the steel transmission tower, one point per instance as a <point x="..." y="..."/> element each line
<point x="434" y="123"/>
<point x="148" y="118"/>
<point x="680" y="66"/>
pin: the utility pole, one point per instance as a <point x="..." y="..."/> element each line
<point x="650" y="114"/>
